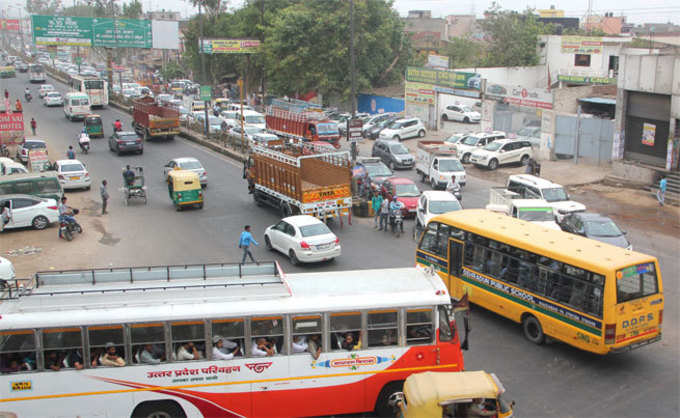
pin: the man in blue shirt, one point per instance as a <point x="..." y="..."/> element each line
<point x="661" y="194"/>
<point x="244" y="243"/>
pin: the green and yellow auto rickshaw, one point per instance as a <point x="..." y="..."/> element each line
<point x="185" y="189"/>
<point x="94" y="126"/>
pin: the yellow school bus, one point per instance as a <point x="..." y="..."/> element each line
<point x="591" y="295"/>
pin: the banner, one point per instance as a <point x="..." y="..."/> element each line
<point x="454" y="79"/>
<point x="582" y="79"/>
<point x="229" y="46"/>
<point x="581" y="44"/>
<point x="438" y="61"/>
<point x="11" y="127"/>
<point x="86" y="31"/>
<point x="520" y="96"/>
<point x="648" y="134"/>
<point x="419" y="93"/>
<point x="11" y="25"/>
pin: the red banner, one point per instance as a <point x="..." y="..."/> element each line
<point x="11" y="127"/>
<point x="10" y="24"/>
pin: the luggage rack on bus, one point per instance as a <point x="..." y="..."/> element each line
<point x="135" y="279"/>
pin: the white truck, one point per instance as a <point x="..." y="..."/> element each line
<point x="436" y="163"/>
<point x="537" y="211"/>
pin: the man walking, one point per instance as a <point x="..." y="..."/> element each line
<point x="376" y="202"/>
<point x="34" y="125"/>
<point x="244" y="243"/>
<point x="384" y="214"/>
<point x="105" y="196"/>
<point x="661" y="193"/>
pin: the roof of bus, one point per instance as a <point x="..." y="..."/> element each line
<point x="20" y="176"/>
<point x="428" y="389"/>
<point x="574" y="249"/>
<point x="198" y="298"/>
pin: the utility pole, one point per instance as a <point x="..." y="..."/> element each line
<point x="353" y="71"/>
<point x="262" y="81"/>
<point x="200" y="53"/>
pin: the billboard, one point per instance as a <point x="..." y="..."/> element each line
<point x="437" y="61"/>
<point x="582" y="79"/>
<point x="165" y="34"/>
<point x="453" y="79"/>
<point x="86" y="31"/>
<point x="582" y="44"/>
<point x="11" y="25"/>
<point x="520" y="96"/>
<point x="419" y="93"/>
<point x="228" y="46"/>
<point x="11" y="127"/>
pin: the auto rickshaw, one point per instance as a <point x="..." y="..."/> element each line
<point x="94" y="126"/>
<point x="451" y="394"/>
<point x="184" y="187"/>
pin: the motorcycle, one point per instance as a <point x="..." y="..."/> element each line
<point x="454" y="189"/>
<point x="84" y="142"/>
<point x="397" y="223"/>
<point x="68" y="229"/>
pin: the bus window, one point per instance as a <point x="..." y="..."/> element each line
<point x="445" y="333"/>
<point x="267" y="333"/>
<point x="232" y="333"/>
<point x="50" y="185"/>
<point x="346" y="331"/>
<point x="23" y="187"/>
<point x="306" y="335"/>
<point x="188" y="340"/>
<point x="149" y="338"/>
<point x="103" y="337"/>
<point x="62" y="347"/>
<point x="382" y="328"/>
<point x="17" y="351"/>
<point x="419" y="326"/>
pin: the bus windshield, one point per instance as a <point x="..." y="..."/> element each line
<point x="36" y="68"/>
<point x="327" y="128"/>
<point x="94" y="84"/>
<point x="636" y="282"/>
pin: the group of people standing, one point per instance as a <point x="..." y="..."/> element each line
<point x="382" y="209"/>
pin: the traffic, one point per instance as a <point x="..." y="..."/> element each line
<point x="159" y="340"/>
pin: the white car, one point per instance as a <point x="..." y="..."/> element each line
<point x="404" y="128"/>
<point x="130" y="93"/>
<point x="254" y="118"/>
<point x="187" y="163"/>
<point x="28" y="210"/>
<point x="501" y="152"/>
<point x="303" y="238"/>
<point x="44" y="89"/>
<point x="249" y="132"/>
<point x="72" y="174"/>
<point x="471" y="143"/>
<point x="461" y="113"/>
<point x="432" y="203"/>
<point x="53" y="98"/>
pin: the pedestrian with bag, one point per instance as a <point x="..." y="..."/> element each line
<point x="244" y="242"/>
<point x="105" y="196"/>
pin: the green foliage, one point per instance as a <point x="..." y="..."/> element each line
<point x="43" y="7"/>
<point x="583" y="32"/>
<point x="132" y="10"/>
<point x="464" y="52"/>
<point x="512" y="37"/>
<point x="173" y="70"/>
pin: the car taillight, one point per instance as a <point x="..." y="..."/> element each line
<point x="52" y="208"/>
<point x="304" y="245"/>
<point x="660" y="317"/>
<point x="60" y="177"/>
<point x="337" y="241"/>
<point x="609" y="333"/>
<point x="87" y="174"/>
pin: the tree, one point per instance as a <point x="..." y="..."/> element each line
<point x="512" y="37"/>
<point x="132" y="10"/>
<point x="44" y="7"/>
<point x="463" y="52"/>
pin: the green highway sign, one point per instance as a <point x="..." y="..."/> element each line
<point x="85" y="31"/>
<point x="206" y="93"/>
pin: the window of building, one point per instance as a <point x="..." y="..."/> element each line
<point x="382" y="328"/>
<point x="581" y="60"/>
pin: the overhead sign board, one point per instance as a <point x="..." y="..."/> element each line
<point x="229" y="46"/>
<point x="581" y="44"/>
<point x="86" y="31"/>
<point x="453" y="79"/>
<point x="520" y="96"/>
<point x="205" y="93"/>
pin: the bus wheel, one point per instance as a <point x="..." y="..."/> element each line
<point x="382" y="405"/>
<point x="159" y="409"/>
<point x="533" y="330"/>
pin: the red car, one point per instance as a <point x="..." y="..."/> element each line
<point x="406" y="192"/>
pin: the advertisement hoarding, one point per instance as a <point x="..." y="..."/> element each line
<point x="165" y="34"/>
<point x="229" y="46"/>
<point x="419" y="93"/>
<point x="453" y="79"/>
<point x="582" y="79"/>
<point x="86" y="31"/>
<point x="11" y="127"/>
<point x="520" y="96"/>
<point x="11" y="25"/>
<point x="581" y="44"/>
<point x="438" y="61"/>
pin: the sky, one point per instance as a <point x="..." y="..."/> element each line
<point x="636" y="11"/>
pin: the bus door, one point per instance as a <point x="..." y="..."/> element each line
<point x="456" y="249"/>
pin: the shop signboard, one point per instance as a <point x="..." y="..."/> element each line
<point x="229" y="46"/>
<point x="420" y="93"/>
<point x="11" y="127"/>
<point x="582" y="79"/>
<point x="520" y="96"/>
<point x="453" y="79"/>
<point x="582" y="44"/>
<point x="10" y="25"/>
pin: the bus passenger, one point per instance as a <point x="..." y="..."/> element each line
<point x="262" y="348"/>
<point x="110" y="358"/>
<point x="52" y="361"/>
<point x="187" y="351"/>
<point x="349" y="343"/>
<point x="217" y="353"/>
<point x="300" y="344"/>
<point x="74" y="359"/>
<point x="314" y="346"/>
<point x="147" y="356"/>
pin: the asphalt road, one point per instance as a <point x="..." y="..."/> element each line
<point x="548" y="380"/>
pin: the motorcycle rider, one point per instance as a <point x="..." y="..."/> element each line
<point x="84" y="140"/>
<point x="65" y="213"/>
<point x="395" y="207"/>
<point x="117" y="126"/>
<point x="27" y="94"/>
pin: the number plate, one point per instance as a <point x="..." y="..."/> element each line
<point x="75" y="178"/>
<point x="323" y="247"/>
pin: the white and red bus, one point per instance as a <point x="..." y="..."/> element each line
<point x="141" y="341"/>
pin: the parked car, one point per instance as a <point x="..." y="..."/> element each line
<point x="374" y="131"/>
<point x="393" y="154"/>
<point x="8" y="167"/>
<point x="53" y="98"/>
<point x="44" y="89"/>
<point x="432" y="203"/>
<point x="461" y="113"/>
<point x="248" y="132"/>
<point x="403" y="129"/>
<point x="72" y="174"/>
<point x="501" y="152"/>
<point x="405" y="191"/>
<point x="303" y="238"/>
<point x="466" y="146"/>
<point x="531" y="134"/>
<point x="126" y="141"/>
<point x="372" y="121"/>
<point x="29" y="145"/>
<point x="597" y="227"/>
<point x="187" y="163"/>
<point x="29" y="210"/>
<point x="372" y="169"/>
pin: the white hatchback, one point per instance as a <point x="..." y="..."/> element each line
<point x="53" y="98"/>
<point x="186" y="163"/>
<point x="72" y="174"/>
<point x="304" y="239"/>
<point x="44" y="89"/>
<point x="461" y="113"/>
<point x="404" y="128"/>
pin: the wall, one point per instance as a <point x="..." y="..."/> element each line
<point x="379" y="104"/>
<point x="565" y="99"/>
<point x="529" y="77"/>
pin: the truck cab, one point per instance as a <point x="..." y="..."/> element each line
<point x="437" y="164"/>
<point x="323" y="130"/>
<point x="534" y="210"/>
